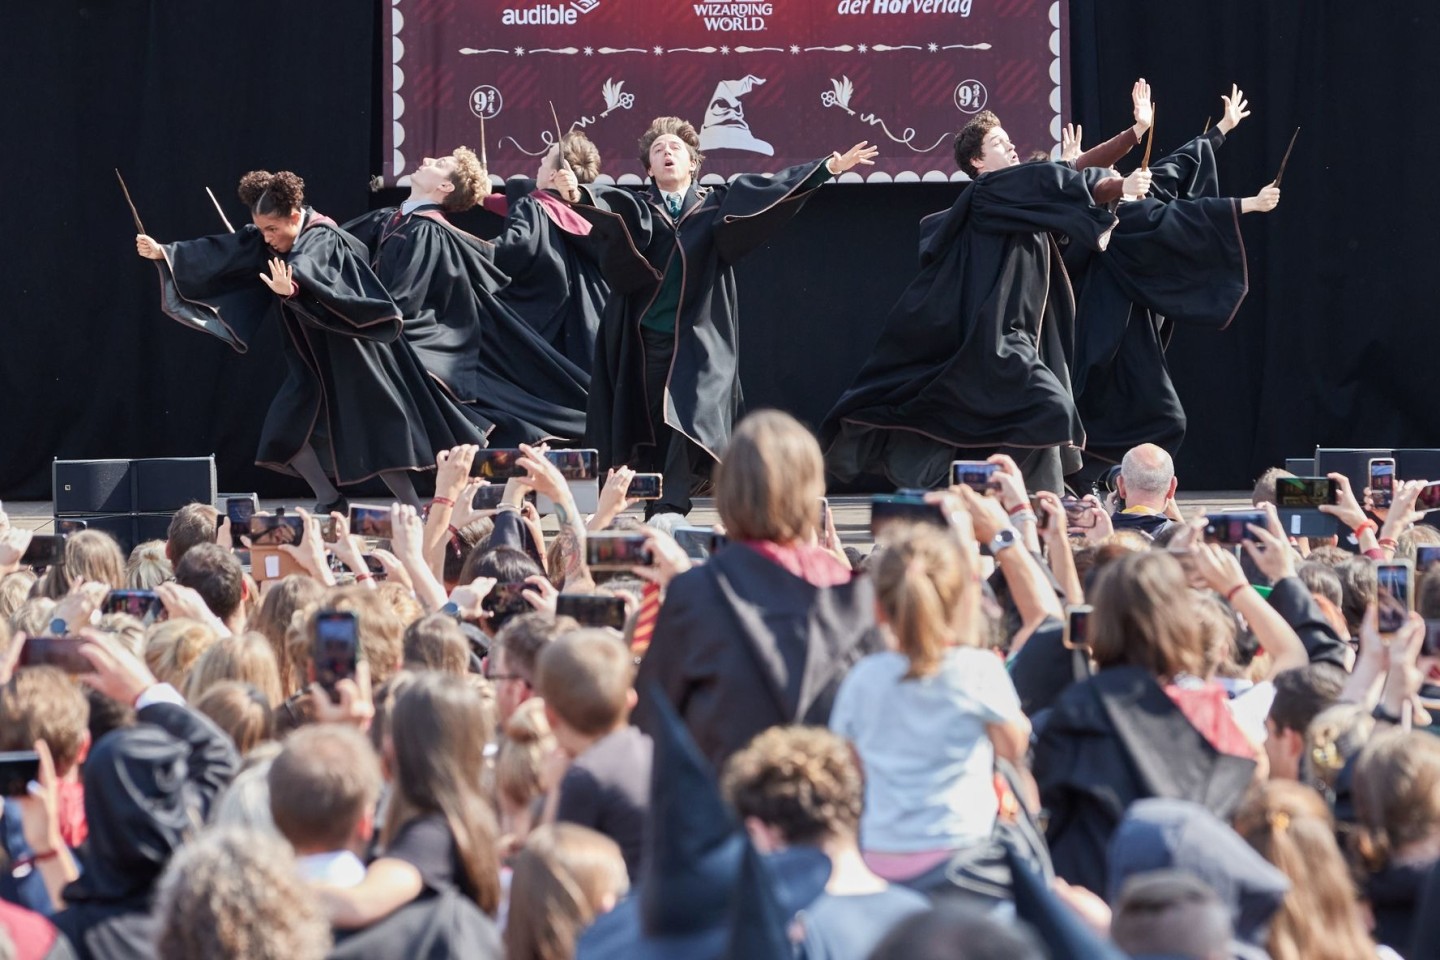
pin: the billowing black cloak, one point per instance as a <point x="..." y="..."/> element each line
<point x="1175" y="256"/>
<point x="972" y="358"/>
<point x="447" y="287"/>
<point x="353" y="387"/>
<point x="555" y="281"/>
<point x="640" y="244"/>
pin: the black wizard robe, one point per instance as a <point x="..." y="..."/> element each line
<point x="641" y="246"/>
<point x="972" y="358"/>
<point x="447" y="288"/>
<point x="555" y="285"/>
<point x="353" y="387"/>
<point x="1175" y="256"/>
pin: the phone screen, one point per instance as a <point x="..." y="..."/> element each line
<point x="239" y="510"/>
<point x="271" y="531"/>
<point x="63" y="653"/>
<point x="1431" y="646"/>
<point x="144" y="605"/>
<point x="45" y="550"/>
<point x="1429" y="498"/>
<point x="576" y="464"/>
<point x="1424" y="557"/>
<point x="1079" y="514"/>
<point x="1394" y="594"/>
<point x="1077" y="626"/>
<point x="1304" y="493"/>
<point x="646" y="486"/>
<point x="903" y="508"/>
<point x="337" y="649"/>
<point x="1232" y="527"/>
<point x="488" y="497"/>
<point x="497" y="464"/>
<point x="591" y="610"/>
<point x="18" y="768"/>
<point x="612" y="550"/>
<point x="978" y="475"/>
<point x="371" y="522"/>
<point x="1382" y="481"/>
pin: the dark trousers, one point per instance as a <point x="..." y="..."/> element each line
<point x="675" y="456"/>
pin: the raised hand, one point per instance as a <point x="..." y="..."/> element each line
<point x="280" y="279"/>
<point x="1237" y="108"/>
<point x="1263" y="202"/>
<point x="148" y="248"/>
<point x="566" y="185"/>
<point x="1070" y="142"/>
<point x="1142" y="109"/>
<point x="862" y="152"/>
<point x="1137" y="184"/>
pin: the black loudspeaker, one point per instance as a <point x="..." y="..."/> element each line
<point x="164" y="485"/>
<point x="1417" y="464"/>
<point x="152" y="526"/>
<point x="91" y="486"/>
<point x="1353" y="464"/>
<point x="121" y="526"/>
<point x="1301" y="466"/>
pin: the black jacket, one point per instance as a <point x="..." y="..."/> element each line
<point x="742" y="645"/>
<point x="1109" y="741"/>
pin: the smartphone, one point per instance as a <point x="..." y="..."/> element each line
<point x="577" y="464"/>
<point x="272" y="531"/>
<point x="1077" y="626"/>
<point x="45" y="550"/>
<point x="63" y="653"/>
<point x="646" y="486"/>
<point x="144" y="605"/>
<point x="67" y="527"/>
<point x="376" y="568"/>
<point x="1232" y="527"/>
<point x="488" y="497"/>
<point x="1382" y="481"/>
<point x="1305" y="493"/>
<point x="18" y="768"/>
<point x="497" y="465"/>
<point x="889" y="508"/>
<point x="1424" y="557"/>
<point x="592" y="610"/>
<point x="508" y="598"/>
<point x="239" y="510"/>
<point x="616" y="551"/>
<point x="1395" y="594"/>
<point x="699" y="543"/>
<point x="371" y="522"/>
<point x="1429" y="498"/>
<point x="978" y="475"/>
<point x="1079" y="514"/>
<point x="337" y="649"/>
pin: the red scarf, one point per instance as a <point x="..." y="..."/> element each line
<point x="815" y="565"/>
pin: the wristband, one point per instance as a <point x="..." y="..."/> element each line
<point x="1360" y="528"/>
<point x="1390" y="542"/>
<point x="1234" y="591"/>
<point x="445" y="500"/>
<point x="362" y="577"/>
<point x="1027" y="517"/>
<point x="1019" y="508"/>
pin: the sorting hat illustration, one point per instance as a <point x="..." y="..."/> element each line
<point x="725" y="127"/>
<point x="691" y="884"/>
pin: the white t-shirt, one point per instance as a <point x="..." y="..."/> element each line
<point x="929" y="764"/>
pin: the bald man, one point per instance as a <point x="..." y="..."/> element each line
<point x="1147" y="488"/>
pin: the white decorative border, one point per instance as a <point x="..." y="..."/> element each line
<point x="397" y="21"/>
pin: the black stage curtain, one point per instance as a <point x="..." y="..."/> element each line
<point x="1329" y="348"/>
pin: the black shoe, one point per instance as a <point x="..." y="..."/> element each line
<point x="338" y="505"/>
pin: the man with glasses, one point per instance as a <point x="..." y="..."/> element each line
<point x="510" y="665"/>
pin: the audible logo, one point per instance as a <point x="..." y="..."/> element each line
<point x="543" y="15"/>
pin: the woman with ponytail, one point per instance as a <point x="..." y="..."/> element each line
<point x="355" y="403"/>
<point x="929" y="717"/>
<point x="1320" y="919"/>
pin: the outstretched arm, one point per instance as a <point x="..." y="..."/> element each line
<point x="148" y="248"/>
<point x="1263" y="202"/>
<point x="1237" y="108"/>
<point x="1112" y="151"/>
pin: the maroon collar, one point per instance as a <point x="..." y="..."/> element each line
<point x="561" y="215"/>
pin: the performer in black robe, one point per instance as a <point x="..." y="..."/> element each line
<point x="550" y="256"/>
<point x="666" y="383"/>
<point x="1175" y="256"/>
<point x="355" y="402"/>
<point x="972" y="360"/>
<point x="447" y="287"/>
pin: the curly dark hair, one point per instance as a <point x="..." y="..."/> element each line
<point x="804" y="781"/>
<point x="970" y="138"/>
<point x="272" y="194"/>
<point x="660" y="126"/>
<point x="472" y="181"/>
<point x="583" y="156"/>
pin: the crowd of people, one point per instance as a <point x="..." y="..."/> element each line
<point x="791" y="748"/>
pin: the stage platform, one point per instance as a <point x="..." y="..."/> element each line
<point x="852" y="513"/>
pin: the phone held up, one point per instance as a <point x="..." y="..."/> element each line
<point x="336" y="655"/>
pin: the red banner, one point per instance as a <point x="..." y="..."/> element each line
<point x="769" y="83"/>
